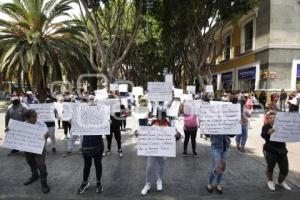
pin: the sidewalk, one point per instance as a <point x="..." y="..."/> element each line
<point x="123" y="178"/>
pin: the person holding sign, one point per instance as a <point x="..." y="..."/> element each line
<point x="275" y="153"/>
<point x="15" y="111"/>
<point x="37" y="161"/>
<point x="92" y="148"/>
<point x="219" y="153"/>
<point x="153" y="160"/>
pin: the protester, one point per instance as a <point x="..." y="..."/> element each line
<point x="115" y="126"/>
<point x="51" y="129"/>
<point x="242" y="138"/>
<point x="92" y="148"/>
<point x="15" y="111"/>
<point x="36" y="161"/>
<point x="262" y="99"/>
<point x="155" y="160"/>
<point x="283" y="97"/>
<point x="219" y="153"/>
<point x="293" y="102"/>
<point x="65" y="123"/>
<point x="30" y="98"/>
<point x="275" y="153"/>
<point x="190" y="128"/>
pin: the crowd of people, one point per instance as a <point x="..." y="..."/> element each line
<point x="93" y="147"/>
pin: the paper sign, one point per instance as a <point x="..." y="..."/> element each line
<point x="45" y="111"/>
<point x="91" y="120"/>
<point x="219" y="102"/>
<point x="287" y="127"/>
<point x="156" y="141"/>
<point x="136" y="91"/>
<point x="209" y="88"/>
<point x="101" y="94"/>
<point x="178" y="92"/>
<point x="115" y="104"/>
<point x="191" y="89"/>
<point x="169" y="78"/>
<point x="220" y="119"/>
<point x="123" y="88"/>
<point x="25" y="137"/>
<point x="192" y="107"/>
<point x="140" y="112"/>
<point x="68" y="109"/>
<point x="160" y="91"/>
<point x="174" y="109"/>
<point x="114" y="87"/>
<point x="186" y="97"/>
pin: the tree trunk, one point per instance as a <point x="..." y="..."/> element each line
<point x="39" y="76"/>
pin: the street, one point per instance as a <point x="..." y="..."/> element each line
<point x="123" y="178"/>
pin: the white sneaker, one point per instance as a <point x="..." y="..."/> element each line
<point x="285" y="186"/>
<point x="145" y="190"/>
<point x="271" y="185"/>
<point x="159" y="186"/>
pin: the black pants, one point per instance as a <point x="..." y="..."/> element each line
<point x="281" y="160"/>
<point x="117" y="133"/>
<point x="58" y="122"/>
<point x="66" y="126"/>
<point x="190" y="133"/>
<point x="37" y="162"/>
<point x="97" y="162"/>
<point x="123" y="123"/>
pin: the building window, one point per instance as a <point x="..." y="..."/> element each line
<point x="248" y="36"/>
<point x="227" y="47"/>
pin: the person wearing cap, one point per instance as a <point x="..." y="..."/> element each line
<point x="30" y="98"/>
<point x="37" y="161"/>
<point x="15" y="111"/>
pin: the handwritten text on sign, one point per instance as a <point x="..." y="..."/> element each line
<point x="160" y="91"/>
<point x="157" y="141"/>
<point x="192" y="106"/>
<point x="220" y="119"/>
<point x="25" y="137"/>
<point x="287" y="127"/>
<point x="91" y="120"/>
<point x="45" y="111"/>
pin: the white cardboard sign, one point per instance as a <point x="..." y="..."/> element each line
<point x="91" y="120"/>
<point x="156" y="141"/>
<point x="287" y="127"/>
<point x="220" y="119"/>
<point x="25" y="137"/>
<point x="45" y="111"/>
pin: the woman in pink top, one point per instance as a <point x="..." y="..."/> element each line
<point x="190" y="131"/>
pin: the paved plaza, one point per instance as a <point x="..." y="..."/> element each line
<point x="123" y="178"/>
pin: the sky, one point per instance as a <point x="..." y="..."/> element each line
<point x="74" y="11"/>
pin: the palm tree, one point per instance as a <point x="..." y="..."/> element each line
<point x="41" y="39"/>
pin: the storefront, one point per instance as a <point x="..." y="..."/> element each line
<point x="246" y="79"/>
<point x="226" y="81"/>
<point x="298" y="78"/>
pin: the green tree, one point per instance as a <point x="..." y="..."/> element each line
<point x="39" y="38"/>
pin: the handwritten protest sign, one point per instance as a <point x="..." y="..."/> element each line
<point x="219" y="102"/>
<point x="287" y="127"/>
<point x="91" y="120"/>
<point x="178" y="92"/>
<point x="220" y="119"/>
<point x="136" y="91"/>
<point x="186" y="97"/>
<point x="45" y="111"/>
<point x="123" y="88"/>
<point x="174" y="109"/>
<point x="140" y="112"/>
<point x="169" y="78"/>
<point x="68" y="109"/>
<point x="59" y="109"/>
<point x="160" y="91"/>
<point x="192" y="106"/>
<point x="209" y="88"/>
<point x="114" y="87"/>
<point x="25" y="137"/>
<point x="191" y="89"/>
<point x="101" y="94"/>
<point x="156" y="141"/>
<point x="115" y="104"/>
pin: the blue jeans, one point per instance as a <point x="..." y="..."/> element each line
<point x="218" y="159"/>
<point x="282" y="105"/>
<point x="242" y="139"/>
<point x="152" y="163"/>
